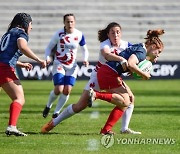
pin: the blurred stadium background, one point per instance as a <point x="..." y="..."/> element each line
<point x="135" y="17"/>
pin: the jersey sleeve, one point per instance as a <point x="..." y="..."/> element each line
<point x="104" y="45"/>
<point x="83" y="41"/>
<point x="23" y="35"/>
<point x="85" y="52"/>
<point x="140" y="54"/>
<point x="51" y="45"/>
<point x="129" y="44"/>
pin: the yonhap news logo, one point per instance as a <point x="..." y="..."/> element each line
<point x="145" y="141"/>
<point x="109" y="140"/>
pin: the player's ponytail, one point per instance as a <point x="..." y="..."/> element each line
<point x="152" y="37"/>
<point x="102" y="35"/>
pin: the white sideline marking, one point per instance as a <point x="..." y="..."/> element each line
<point x="94" y="115"/>
<point x="95" y="104"/>
<point x="93" y="145"/>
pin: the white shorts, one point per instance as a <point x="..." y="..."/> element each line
<point x="59" y="68"/>
<point x="93" y="83"/>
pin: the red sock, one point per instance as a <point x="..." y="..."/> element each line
<point x="114" y="116"/>
<point x="104" y="96"/>
<point x="14" y="111"/>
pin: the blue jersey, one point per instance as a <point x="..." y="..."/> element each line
<point x="136" y="49"/>
<point x="9" y="52"/>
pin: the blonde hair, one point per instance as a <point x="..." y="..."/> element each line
<point x="152" y="37"/>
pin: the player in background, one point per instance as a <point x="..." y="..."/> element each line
<point x="109" y="75"/>
<point x="66" y="40"/>
<point x="13" y="45"/>
<point x="111" y="45"/>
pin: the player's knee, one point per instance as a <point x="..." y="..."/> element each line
<point x="66" y="92"/>
<point x="132" y="99"/>
<point x="20" y="101"/>
<point x="121" y="101"/>
<point x="57" y="90"/>
<point x="126" y="103"/>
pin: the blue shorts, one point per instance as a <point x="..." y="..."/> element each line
<point x="60" y="79"/>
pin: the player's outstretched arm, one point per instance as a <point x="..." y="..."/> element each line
<point x="23" y="47"/>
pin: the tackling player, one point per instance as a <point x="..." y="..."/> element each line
<point x="109" y="75"/>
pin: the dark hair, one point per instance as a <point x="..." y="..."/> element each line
<point x="67" y="15"/>
<point x="152" y="37"/>
<point x="102" y="34"/>
<point x="64" y="18"/>
<point x="20" y="20"/>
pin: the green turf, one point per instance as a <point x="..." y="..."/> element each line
<point x="156" y="114"/>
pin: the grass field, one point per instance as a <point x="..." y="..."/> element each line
<point x="156" y="115"/>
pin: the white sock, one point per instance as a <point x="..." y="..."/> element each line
<point x="52" y="98"/>
<point x="66" y="113"/>
<point x="61" y="102"/>
<point x="127" y="117"/>
<point x="13" y="127"/>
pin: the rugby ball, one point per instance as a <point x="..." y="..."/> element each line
<point x="145" y="66"/>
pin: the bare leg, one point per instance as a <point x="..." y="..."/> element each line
<point x="68" y="112"/>
<point x="15" y="92"/>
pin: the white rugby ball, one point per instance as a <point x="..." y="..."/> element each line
<point x="145" y="66"/>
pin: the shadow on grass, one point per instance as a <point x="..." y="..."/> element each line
<point x="103" y="108"/>
<point x="107" y="111"/>
<point x="70" y="133"/>
<point x="153" y="92"/>
<point x="32" y="133"/>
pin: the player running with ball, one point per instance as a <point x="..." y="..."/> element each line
<point x="109" y="75"/>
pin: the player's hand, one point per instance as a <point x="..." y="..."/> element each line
<point x="43" y="63"/>
<point x="86" y="63"/>
<point x="48" y="60"/>
<point x="124" y="64"/>
<point x="129" y="73"/>
<point x="27" y="66"/>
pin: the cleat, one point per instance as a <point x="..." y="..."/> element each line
<point x="55" y="115"/>
<point x="129" y="131"/>
<point x="91" y="97"/>
<point x="106" y="132"/>
<point x="13" y="131"/>
<point x="46" y="111"/>
<point x="47" y="127"/>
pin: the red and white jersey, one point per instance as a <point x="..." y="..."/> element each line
<point x="116" y="50"/>
<point x="93" y="83"/>
<point x="67" y="46"/>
